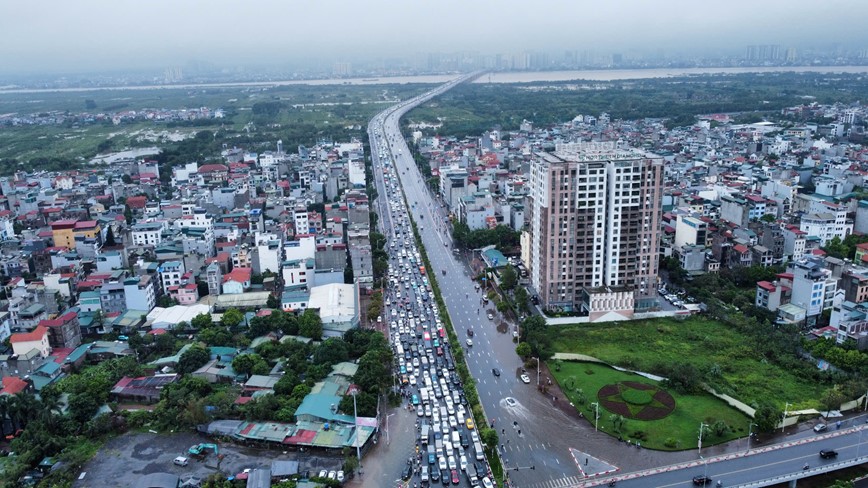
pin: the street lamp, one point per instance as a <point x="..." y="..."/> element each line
<point x="702" y="425"/>
<point x="750" y="426"/>
<point x="784" y="419"/>
<point x="596" y="414"/>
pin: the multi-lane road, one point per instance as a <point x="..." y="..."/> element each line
<point x="534" y="431"/>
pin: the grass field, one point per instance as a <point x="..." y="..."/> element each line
<point x="723" y="357"/>
<point x="677" y="431"/>
<point x="320" y="110"/>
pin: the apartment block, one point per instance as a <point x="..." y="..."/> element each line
<point x="594" y="213"/>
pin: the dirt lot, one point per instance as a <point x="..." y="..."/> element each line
<point x="123" y="459"/>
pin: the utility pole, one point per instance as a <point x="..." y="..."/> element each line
<point x="356" y="424"/>
<point x="784" y="419"/>
<point x="702" y="426"/>
<point x="597" y="414"/>
<point x="537" y="371"/>
<point x="750" y="426"/>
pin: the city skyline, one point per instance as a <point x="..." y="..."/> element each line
<point x="97" y="35"/>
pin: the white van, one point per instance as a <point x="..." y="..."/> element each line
<point x="480" y="456"/>
<point x="180" y="461"/>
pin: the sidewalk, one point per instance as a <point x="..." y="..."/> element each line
<point x="383" y="464"/>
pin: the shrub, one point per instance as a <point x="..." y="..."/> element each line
<point x="636" y="397"/>
<point x="670" y="442"/>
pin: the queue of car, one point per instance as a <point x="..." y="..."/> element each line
<point x="448" y="444"/>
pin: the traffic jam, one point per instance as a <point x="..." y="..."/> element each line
<point x="448" y="449"/>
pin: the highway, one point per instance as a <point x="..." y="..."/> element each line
<point x="543" y="446"/>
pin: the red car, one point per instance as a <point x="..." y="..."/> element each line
<point x="439" y="351"/>
<point x="455" y="479"/>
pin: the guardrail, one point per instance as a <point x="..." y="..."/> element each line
<point x="805" y="473"/>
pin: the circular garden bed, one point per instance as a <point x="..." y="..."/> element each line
<point x="634" y="400"/>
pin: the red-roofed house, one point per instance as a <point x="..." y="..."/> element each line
<point x="13" y="385"/>
<point x="24" y="342"/>
<point x="64" y="331"/>
<point x="771" y="295"/>
<point x="214" y="173"/>
<point x="741" y="255"/>
<point x="237" y="280"/>
<point x="137" y="202"/>
<point x="185" y="294"/>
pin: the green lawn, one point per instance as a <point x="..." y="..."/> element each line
<point x="678" y="430"/>
<point x="724" y="358"/>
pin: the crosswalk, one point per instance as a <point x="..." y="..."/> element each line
<point x="558" y="482"/>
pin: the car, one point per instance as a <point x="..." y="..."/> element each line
<point x="820" y="428"/>
<point x="470" y="332"/>
<point x="462" y="463"/>
<point x="495" y="371"/>
<point x="455" y="479"/>
<point x="407" y="474"/>
<point x="341" y="476"/>
<point x="510" y="401"/>
<point x="701" y="480"/>
<point x="420" y="412"/>
<point x="323" y="473"/>
<point x="469" y="343"/>
<point x="452" y="463"/>
<point x="525" y="379"/>
<point x="469" y="423"/>
<point x="333" y="475"/>
<point x="180" y="461"/>
<point x="828" y="454"/>
<point x="424" y="473"/>
<point x="486" y="483"/>
<point x="435" y="475"/>
<point x="490" y="316"/>
<point x="441" y="463"/>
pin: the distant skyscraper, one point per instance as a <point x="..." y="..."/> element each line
<point x="595" y="213"/>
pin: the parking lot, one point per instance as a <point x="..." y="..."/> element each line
<point x="124" y="459"/>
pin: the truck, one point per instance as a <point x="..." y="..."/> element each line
<point x="472" y="476"/>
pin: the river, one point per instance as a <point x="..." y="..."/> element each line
<point x="496" y="77"/>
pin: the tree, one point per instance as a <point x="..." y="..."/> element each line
<point x="244" y="363"/>
<point x="128" y="214"/>
<point x="489" y="437"/>
<point x="832" y="398"/>
<point x="767" y="417"/>
<point x="193" y="359"/>
<point x="508" y="277"/>
<point x="310" y="325"/>
<point x="231" y="318"/>
<point x="617" y="422"/>
<point x="202" y="321"/>
<point x="166" y="301"/>
<point x="719" y="428"/>
<point x="110" y="237"/>
<point x="521" y="296"/>
<point x="523" y="350"/>
<point x="273" y="302"/>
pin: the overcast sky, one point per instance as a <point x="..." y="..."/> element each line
<point x="80" y="35"/>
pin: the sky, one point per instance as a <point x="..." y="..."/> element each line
<point x="82" y="35"/>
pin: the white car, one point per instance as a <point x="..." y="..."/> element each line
<point x="452" y="464"/>
<point x="486" y="483"/>
<point x="525" y="379"/>
<point x="420" y="412"/>
<point x="341" y="476"/>
<point x="442" y="462"/>
<point x="452" y="422"/>
<point x="463" y="462"/>
<point x="469" y="342"/>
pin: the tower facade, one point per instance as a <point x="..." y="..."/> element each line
<point x="594" y="228"/>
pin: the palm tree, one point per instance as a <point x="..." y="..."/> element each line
<point x="4" y="413"/>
